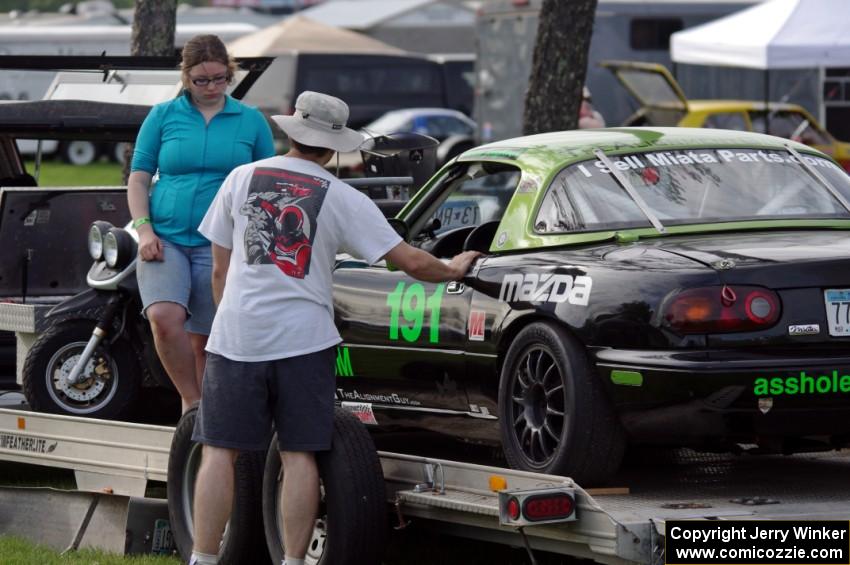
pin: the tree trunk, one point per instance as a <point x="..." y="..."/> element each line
<point x="559" y="65"/>
<point x="153" y="34"/>
<point x="153" y="27"/>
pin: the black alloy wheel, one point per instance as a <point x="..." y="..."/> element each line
<point x="538" y="406"/>
<point x="554" y="414"/>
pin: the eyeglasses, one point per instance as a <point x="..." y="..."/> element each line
<point x="204" y="81"/>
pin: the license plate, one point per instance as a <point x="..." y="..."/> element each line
<point x="457" y="214"/>
<point x="838" y="311"/>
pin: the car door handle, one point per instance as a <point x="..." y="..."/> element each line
<point x="454" y="287"/>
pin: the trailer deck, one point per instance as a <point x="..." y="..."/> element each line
<point x="614" y="526"/>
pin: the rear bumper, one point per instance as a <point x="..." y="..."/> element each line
<point x="704" y="397"/>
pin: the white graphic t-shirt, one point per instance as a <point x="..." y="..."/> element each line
<point x="285" y="219"/>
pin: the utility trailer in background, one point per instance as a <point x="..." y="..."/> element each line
<point x="617" y="526"/>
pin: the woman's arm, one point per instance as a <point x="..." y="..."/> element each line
<point x="138" y="200"/>
<point x="138" y="194"/>
<point x="144" y="165"/>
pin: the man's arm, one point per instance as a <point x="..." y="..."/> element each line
<point x="221" y="262"/>
<point x="425" y="267"/>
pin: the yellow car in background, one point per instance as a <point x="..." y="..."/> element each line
<point x="665" y="104"/>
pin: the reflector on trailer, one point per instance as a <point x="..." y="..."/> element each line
<point x="539" y="506"/>
<point x="498" y="483"/>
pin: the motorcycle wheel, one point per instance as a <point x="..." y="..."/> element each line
<point x="112" y="382"/>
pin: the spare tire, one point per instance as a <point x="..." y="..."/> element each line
<point x="351" y="528"/>
<point x="243" y="537"/>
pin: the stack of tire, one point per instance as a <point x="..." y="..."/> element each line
<point x="350" y="529"/>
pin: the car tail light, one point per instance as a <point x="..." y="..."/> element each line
<point x="845" y="163"/>
<point x="719" y="309"/>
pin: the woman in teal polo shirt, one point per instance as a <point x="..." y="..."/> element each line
<point x="193" y="141"/>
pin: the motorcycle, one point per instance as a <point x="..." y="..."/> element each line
<point x="72" y="369"/>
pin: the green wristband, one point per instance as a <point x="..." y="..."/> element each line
<point x="141" y="221"/>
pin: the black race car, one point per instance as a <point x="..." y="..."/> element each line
<point x="676" y="287"/>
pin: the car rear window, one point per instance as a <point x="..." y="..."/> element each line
<point x="691" y="187"/>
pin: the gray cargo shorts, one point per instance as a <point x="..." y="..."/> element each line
<point x="242" y="399"/>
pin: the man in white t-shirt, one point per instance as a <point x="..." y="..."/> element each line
<point x="276" y="226"/>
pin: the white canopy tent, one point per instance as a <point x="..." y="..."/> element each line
<point x="777" y="34"/>
<point x="773" y="35"/>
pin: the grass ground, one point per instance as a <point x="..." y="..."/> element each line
<point x="57" y="173"/>
<point x="441" y="549"/>
<point x="17" y="551"/>
<point x="417" y="545"/>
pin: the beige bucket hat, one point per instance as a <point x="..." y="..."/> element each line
<point x="319" y="120"/>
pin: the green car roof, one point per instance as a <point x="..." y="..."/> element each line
<point x="558" y="149"/>
<point x="541" y="157"/>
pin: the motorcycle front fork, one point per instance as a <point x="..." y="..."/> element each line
<point x="104" y="322"/>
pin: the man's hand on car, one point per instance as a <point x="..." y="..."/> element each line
<point x="461" y="262"/>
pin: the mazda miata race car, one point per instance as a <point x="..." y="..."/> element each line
<point x="678" y="287"/>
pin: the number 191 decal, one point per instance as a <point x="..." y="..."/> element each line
<point x="411" y="304"/>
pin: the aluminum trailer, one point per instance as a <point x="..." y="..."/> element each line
<point x="612" y="526"/>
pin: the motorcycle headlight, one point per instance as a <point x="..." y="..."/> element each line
<point x="97" y="232"/>
<point x="119" y="248"/>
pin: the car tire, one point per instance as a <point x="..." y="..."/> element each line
<point x="78" y="152"/>
<point x="243" y="537"/>
<point x="116" y="151"/>
<point x="554" y="415"/>
<point x="351" y="528"/>
<point x="114" y="374"/>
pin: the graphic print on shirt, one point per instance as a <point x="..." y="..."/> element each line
<point x="282" y="209"/>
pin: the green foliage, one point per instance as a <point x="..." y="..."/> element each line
<point x="17" y="551"/>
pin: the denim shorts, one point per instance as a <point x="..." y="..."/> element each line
<point x="242" y="399"/>
<point x="183" y="277"/>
